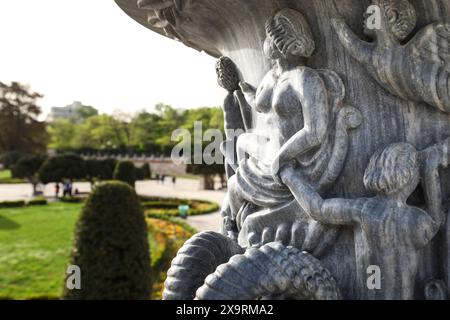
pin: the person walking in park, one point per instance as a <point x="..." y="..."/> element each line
<point x="174" y="180"/>
<point x="65" y="189"/>
<point x="57" y="190"/>
<point x="69" y="188"/>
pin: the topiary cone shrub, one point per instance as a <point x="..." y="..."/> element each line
<point x="111" y="246"/>
<point x="126" y="172"/>
<point x="146" y="171"/>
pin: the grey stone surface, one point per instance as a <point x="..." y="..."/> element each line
<point x="347" y="153"/>
<point x="199" y="257"/>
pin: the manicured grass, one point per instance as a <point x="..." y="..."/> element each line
<point x="5" y="174"/>
<point x="35" y="246"/>
<point x="6" y="178"/>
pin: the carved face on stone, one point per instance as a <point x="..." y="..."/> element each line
<point x="288" y="36"/>
<point x="398" y="17"/>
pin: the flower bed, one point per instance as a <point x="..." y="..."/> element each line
<point x="169" y="206"/>
<point x="168" y="235"/>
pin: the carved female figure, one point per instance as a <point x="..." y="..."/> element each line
<point x="419" y="70"/>
<point x="300" y="117"/>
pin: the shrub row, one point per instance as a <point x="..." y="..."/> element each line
<point x="159" y="205"/>
<point x="39" y="201"/>
<point x="169" y="206"/>
<point x="22" y="203"/>
<point x="72" y="199"/>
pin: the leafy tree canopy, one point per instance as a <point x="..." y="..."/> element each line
<point x="61" y="167"/>
<point x="20" y="128"/>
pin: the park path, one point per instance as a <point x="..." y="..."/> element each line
<point x="189" y="189"/>
<point x="184" y="188"/>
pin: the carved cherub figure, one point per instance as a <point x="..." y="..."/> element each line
<point x="419" y="70"/>
<point x="388" y="232"/>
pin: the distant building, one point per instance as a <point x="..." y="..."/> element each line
<point x="70" y="111"/>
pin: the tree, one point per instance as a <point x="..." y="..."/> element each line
<point x="208" y="172"/>
<point x="100" y="169"/>
<point x="170" y="120"/>
<point x="111" y="246"/>
<point x="142" y="138"/>
<point x="139" y="173"/>
<point x="146" y="171"/>
<point x="10" y="158"/>
<point x="126" y="172"/>
<point x="93" y="170"/>
<point x="143" y="172"/>
<point x="61" y="167"/>
<point x="211" y="118"/>
<point x="62" y="133"/>
<point x="20" y="129"/>
<point x="100" y="132"/>
<point x="85" y="112"/>
<point x="107" y="169"/>
<point x="28" y="168"/>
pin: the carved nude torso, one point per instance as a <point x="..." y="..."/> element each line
<point x="280" y="103"/>
<point x="281" y="113"/>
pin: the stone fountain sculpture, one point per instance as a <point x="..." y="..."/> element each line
<point x="338" y="179"/>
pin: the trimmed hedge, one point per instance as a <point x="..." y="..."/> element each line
<point x="169" y="206"/>
<point x="12" y="204"/>
<point x="160" y="205"/>
<point x="38" y="201"/>
<point x="111" y="246"/>
<point x="60" y="167"/>
<point x="72" y="199"/>
<point x="126" y="172"/>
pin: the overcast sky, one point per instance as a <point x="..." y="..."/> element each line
<point x="90" y="50"/>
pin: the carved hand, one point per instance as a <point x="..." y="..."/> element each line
<point x="279" y="163"/>
<point x="229" y="226"/>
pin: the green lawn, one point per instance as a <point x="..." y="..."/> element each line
<point x="35" y="246"/>
<point x="5" y="177"/>
<point x="5" y="174"/>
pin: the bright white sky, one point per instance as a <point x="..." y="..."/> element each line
<point x="91" y="51"/>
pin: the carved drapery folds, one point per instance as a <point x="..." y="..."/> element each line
<point x="343" y="151"/>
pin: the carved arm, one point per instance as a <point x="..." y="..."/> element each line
<point x="359" y="49"/>
<point x="333" y="211"/>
